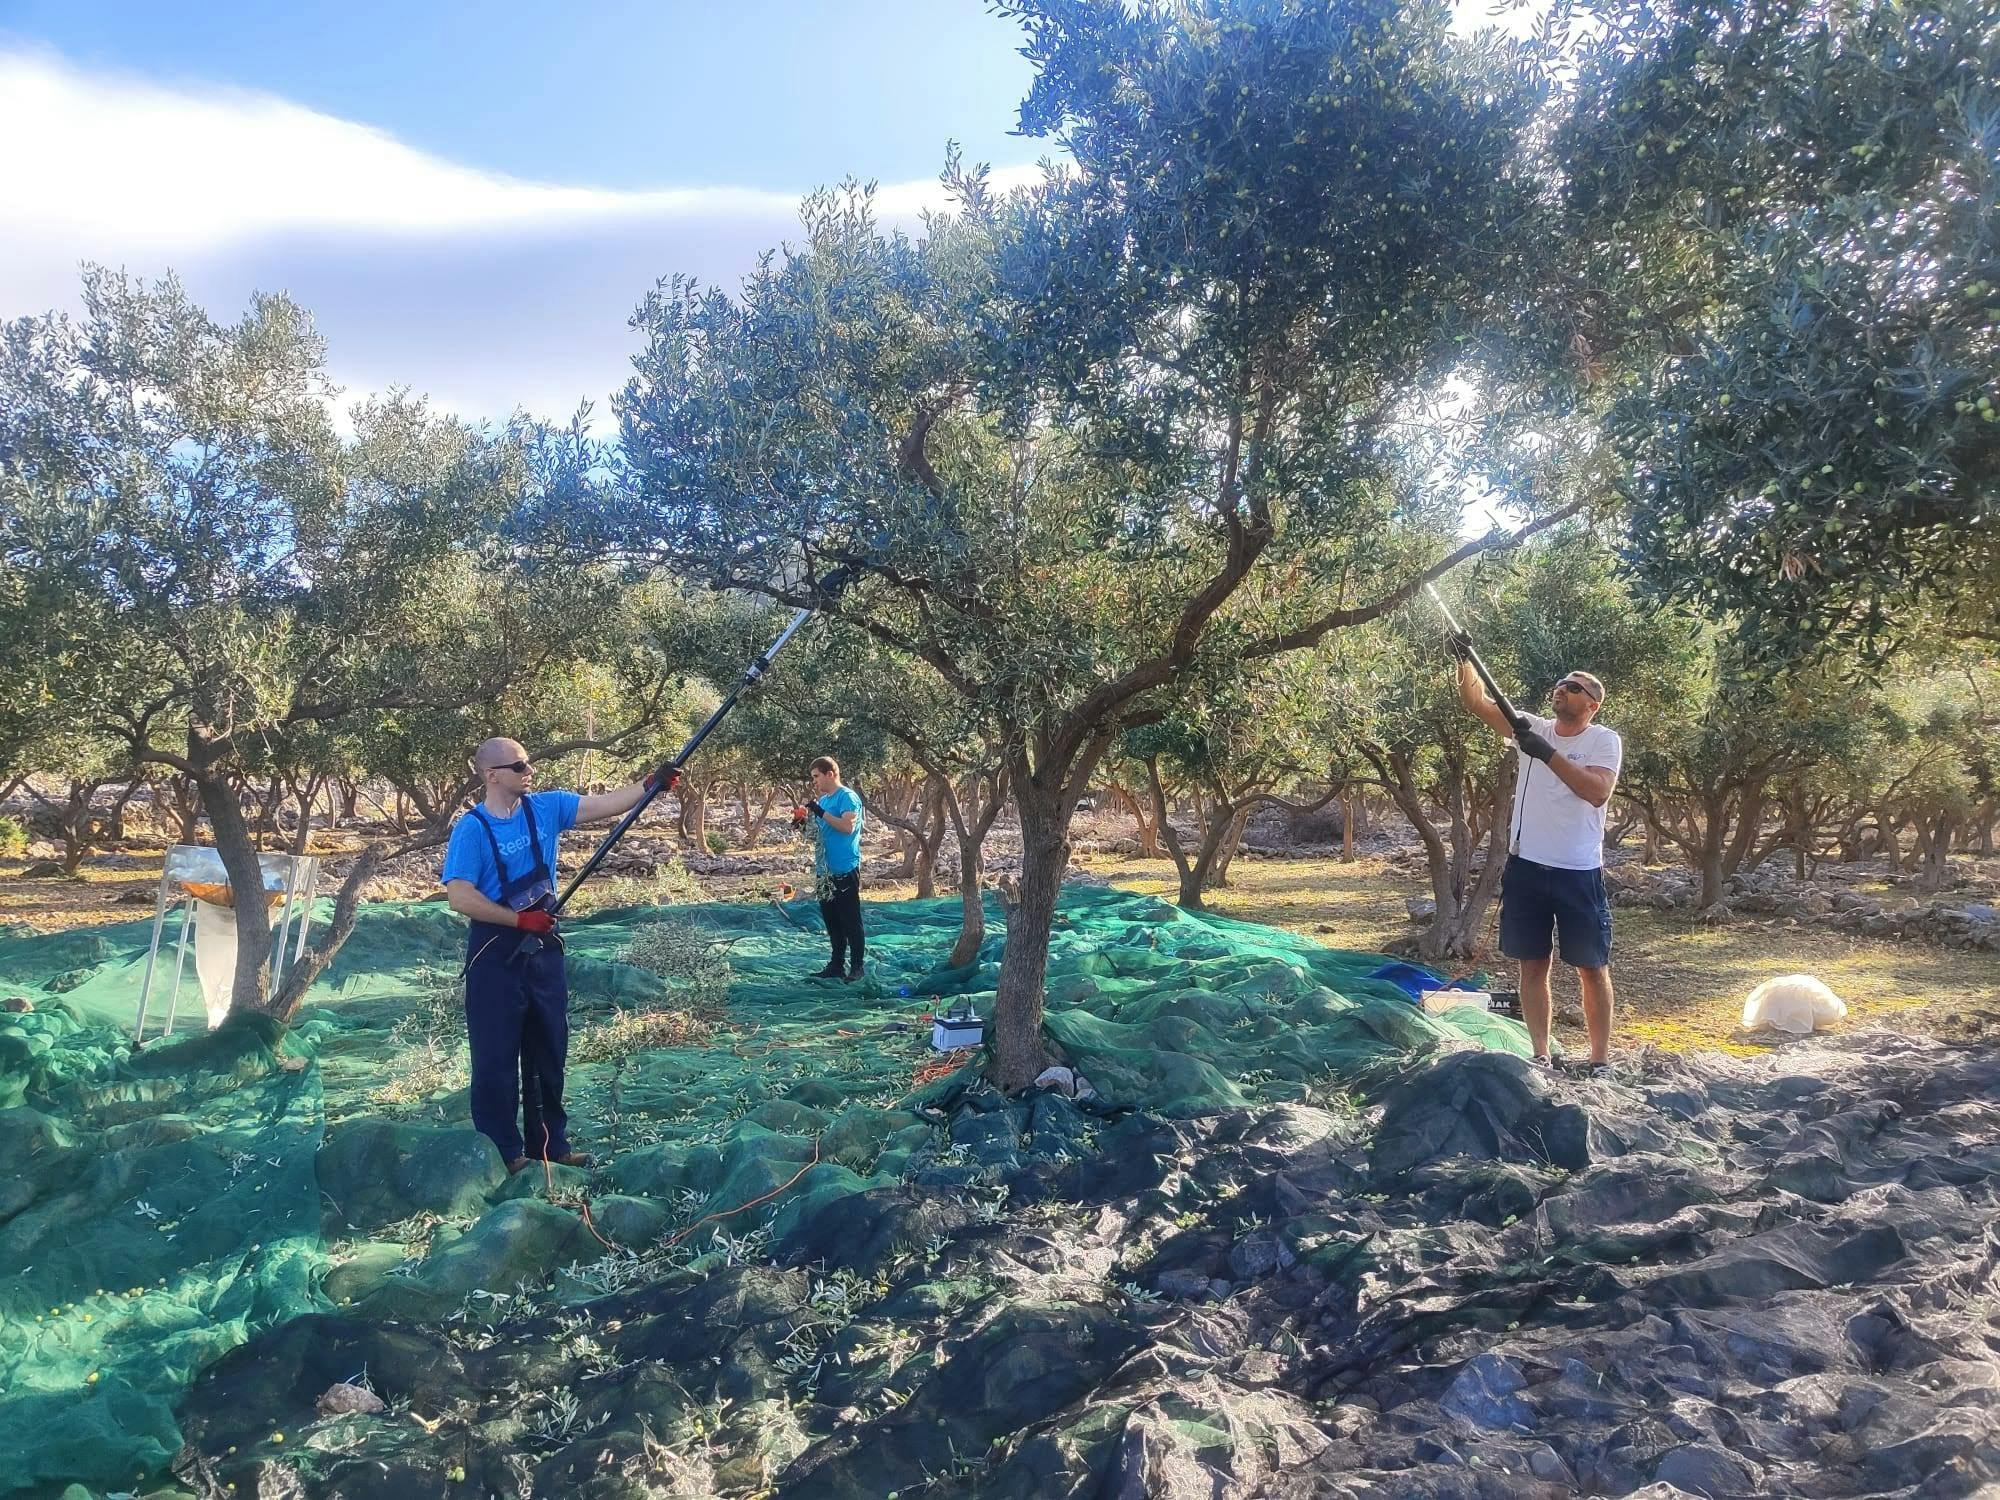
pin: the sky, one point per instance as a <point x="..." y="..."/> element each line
<point x="471" y="199"/>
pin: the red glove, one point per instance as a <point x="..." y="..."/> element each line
<point x="666" y="777"/>
<point x="798" y="817"/>
<point x="535" y="920"/>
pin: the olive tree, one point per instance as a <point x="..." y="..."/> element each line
<point x="1792" y="213"/>
<point x="1057" y="434"/>
<point x="231" y="572"/>
<point x="1702" y="761"/>
<point x="1249" y="735"/>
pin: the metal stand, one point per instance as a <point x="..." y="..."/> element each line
<point x="297" y="875"/>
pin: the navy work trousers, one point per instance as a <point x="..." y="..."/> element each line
<point x="517" y="1017"/>
<point x="840" y="909"/>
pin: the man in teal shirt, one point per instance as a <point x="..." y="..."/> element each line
<point x="835" y="813"/>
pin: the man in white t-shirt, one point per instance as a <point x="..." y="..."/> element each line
<point x="1555" y="850"/>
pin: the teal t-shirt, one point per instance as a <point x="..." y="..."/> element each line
<point x="839" y="853"/>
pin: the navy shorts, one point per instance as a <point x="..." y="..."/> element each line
<point x="1535" y="898"/>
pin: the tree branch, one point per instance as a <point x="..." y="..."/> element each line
<point x="1396" y="598"/>
<point x="346" y="906"/>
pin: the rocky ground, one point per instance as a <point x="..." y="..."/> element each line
<point x="1965" y="916"/>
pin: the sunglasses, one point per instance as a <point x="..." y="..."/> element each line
<point x="1567" y="686"/>
<point x="518" y="767"/>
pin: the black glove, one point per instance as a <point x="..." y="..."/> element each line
<point x="1460" y="643"/>
<point x="1531" y="743"/>
<point x="815" y="809"/>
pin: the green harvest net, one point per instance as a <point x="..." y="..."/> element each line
<point x="162" y="1206"/>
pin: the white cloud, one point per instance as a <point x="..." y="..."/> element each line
<point x="119" y="158"/>
<point x="483" y="289"/>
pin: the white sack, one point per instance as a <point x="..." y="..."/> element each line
<point x="1797" y="1003"/>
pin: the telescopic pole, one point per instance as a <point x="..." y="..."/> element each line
<point x="830" y="586"/>
<point x="1500" y="699"/>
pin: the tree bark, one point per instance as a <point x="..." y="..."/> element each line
<point x="930" y="839"/>
<point x="754" y="829"/>
<point x="308" y="796"/>
<point x="300" y="977"/>
<point x="694" y="813"/>
<point x="1711" y="878"/>
<point x="267" y="811"/>
<point x="1192" y="871"/>
<point x="919" y="823"/>
<point x="1148" y="829"/>
<point x="186" y="794"/>
<point x="1461" y="901"/>
<point x="1045" y="851"/>
<point x="1934" y="837"/>
<point x="898" y="802"/>
<point x="114" y="824"/>
<point x="74" y="822"/>
<point x="972" y="907"/>
<point x="1459" y="937"/>
<point x="1232" y="840"/>
<point x="972" y="831"/>
<point x="1888" y="831"/>
<point x="235" y="844"/>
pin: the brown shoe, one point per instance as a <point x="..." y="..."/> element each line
<point x="516" y="1165"/>
<point x="574" y="1159"/>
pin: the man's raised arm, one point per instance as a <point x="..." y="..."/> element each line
<point x="618" y="802"/>
<point x="1473" y="695"/>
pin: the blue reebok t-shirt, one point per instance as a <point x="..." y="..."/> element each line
<point x="469" y="855"/>
<point x="839" y="853"/>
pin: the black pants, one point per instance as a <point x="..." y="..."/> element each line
<point x="517" y="1018"/>
<point x="840" y="909"/>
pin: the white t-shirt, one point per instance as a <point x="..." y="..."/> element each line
<point x="1552" y="825"/>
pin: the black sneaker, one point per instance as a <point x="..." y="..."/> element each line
<point x="854" y="975"/>
<point x="831" y="971"/>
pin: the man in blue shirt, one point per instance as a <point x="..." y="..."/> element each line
<point x="499" y="870"/>
<point x="835" y="811"/>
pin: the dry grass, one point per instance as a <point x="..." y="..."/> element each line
<point x="88" y="899"/>
<point x="638" y="1031"/>
<point x="1680" y="984"/>
<point x="121" y="886"/>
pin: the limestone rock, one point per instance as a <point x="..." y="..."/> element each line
<point x="342" y="1399"/>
